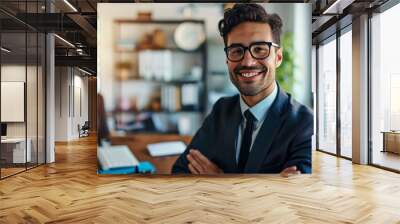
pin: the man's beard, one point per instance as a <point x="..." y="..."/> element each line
<point x="251" y="88"/>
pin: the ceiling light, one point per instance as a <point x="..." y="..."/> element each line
<point x="65" y="41"/>
<point x="326" y="11"/>
<point x="70" y="5"/>
<point x="337" y="7"/>
<point x="5" y="50"/>
<point x="84" y="71"/>
<point x="80" y="51"/>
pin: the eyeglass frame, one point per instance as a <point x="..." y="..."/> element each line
<point x="269" y="43"/>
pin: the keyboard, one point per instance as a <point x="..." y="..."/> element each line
<point x="166" y="148"/>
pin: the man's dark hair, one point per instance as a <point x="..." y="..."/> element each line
<point x="251" y="12"/>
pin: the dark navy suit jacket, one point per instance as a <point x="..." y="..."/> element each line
<point x="284" y="138"/>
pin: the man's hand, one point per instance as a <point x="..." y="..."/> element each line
<point x="199" y="164"/>
<point x="290" y="171"/>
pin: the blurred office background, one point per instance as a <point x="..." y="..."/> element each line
<point x="51" y="47"/>
<point x="161" y="67"/>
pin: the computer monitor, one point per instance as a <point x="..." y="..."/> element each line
<point x="3" y="129"/>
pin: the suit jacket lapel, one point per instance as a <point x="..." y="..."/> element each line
<point x="231" y="129"/>
<point x="266" y="135"/>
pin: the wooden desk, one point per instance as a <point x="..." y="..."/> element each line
<point x="137" y="144"/>
<point x="391" y="141"/>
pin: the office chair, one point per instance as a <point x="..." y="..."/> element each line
<point x="84" y="130"/>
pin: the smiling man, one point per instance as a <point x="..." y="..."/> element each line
<point x="262" y="130"/>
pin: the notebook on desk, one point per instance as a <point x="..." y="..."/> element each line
<point x="166" y="148"/>
<point x="116" y="157"/>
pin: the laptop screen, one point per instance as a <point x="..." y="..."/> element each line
<point x="3" y="129"/>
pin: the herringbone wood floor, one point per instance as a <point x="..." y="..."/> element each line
<point x="70" y="191"/>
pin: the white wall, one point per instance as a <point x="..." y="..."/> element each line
<point x="61" y="103"/>
<point x="80" y="102"/>
<point x="71" y="93"/>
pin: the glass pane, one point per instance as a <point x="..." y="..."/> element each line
<point x="31" y="97"/>
<point x="13" y="86"/>
<point x="346" y="94"/>
<point x="327" y="97"/>
<point x="386" y="89"/>
<point x="41" y="98"/>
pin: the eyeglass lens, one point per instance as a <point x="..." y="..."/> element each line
<point x="257" y="51"/>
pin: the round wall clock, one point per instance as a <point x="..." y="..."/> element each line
<point x="189" y="36"/>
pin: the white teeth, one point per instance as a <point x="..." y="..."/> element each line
<point x="249" y="74"/>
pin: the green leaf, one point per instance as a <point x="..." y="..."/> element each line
<point x="285" y="72"/>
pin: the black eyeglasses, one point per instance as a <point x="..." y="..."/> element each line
<point x="258" y="50"/>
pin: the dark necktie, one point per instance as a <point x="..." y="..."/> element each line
<point x="246" y="141"/>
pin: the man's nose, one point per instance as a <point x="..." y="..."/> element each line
<point x="248" y="60"/>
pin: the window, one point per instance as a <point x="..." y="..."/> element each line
<point x="346" y="94"/>
<point x="327" y="96"/>
<point x="385" y="89"/>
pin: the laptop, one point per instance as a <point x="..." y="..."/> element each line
<point x="3" y="131"/>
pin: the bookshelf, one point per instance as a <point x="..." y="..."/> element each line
<point x="157" y="80"/>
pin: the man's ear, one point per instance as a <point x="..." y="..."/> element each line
<point x="278" y="57"/>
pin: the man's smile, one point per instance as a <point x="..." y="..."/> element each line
<point x="250" y="75"/>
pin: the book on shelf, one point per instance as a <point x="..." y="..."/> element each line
<point x="190" y="95"/>
<point x="178" y="103"/>
<point x="177" y="98"/>
<point x="155" y="65"/>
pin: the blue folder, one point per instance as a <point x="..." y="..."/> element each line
<point x="124" y="170"/>
<point x="143" y="167"/>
